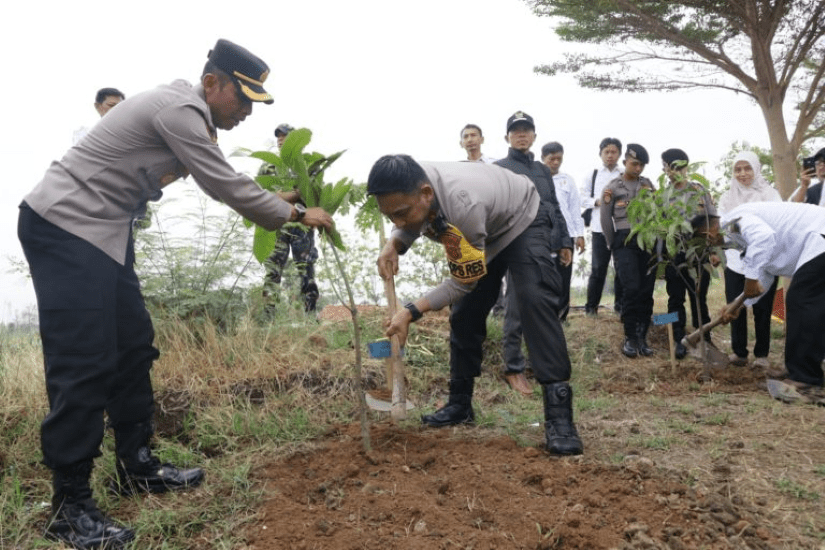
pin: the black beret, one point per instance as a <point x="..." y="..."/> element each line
<point x="636" y="151"/>
<point x="673" y="155"/>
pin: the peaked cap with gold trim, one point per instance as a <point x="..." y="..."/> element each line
<point x="248" y="70"/>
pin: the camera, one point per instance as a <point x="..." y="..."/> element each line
<point x="808" y="163"/>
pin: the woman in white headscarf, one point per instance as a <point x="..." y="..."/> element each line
<point x="747" y="185"/>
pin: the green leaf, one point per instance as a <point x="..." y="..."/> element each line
<point x="263" y="243"/>
<point x="334" y="238"/>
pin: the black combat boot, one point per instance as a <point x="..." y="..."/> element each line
<point x="139" y="471"/>
<point x="680" y="351"/>
<point x="630" y="347"/>
<point x="76" y="519"/>
<point x="641" y="339"/>
<point x="459" y="408"/>
<point x="561" y="434"/>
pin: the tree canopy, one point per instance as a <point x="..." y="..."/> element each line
<point x="770" y="50"/>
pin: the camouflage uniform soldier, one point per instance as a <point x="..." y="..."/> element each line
<point x="301" y="242"/>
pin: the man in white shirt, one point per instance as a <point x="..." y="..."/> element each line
<point x="552" y="155"/>
<point x="785" y="239"/>
<point x="471" y="141"/>
<point x="591" y="188"/>
<point x="105" y="100"/>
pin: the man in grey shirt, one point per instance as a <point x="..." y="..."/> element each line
<point x="75" y="229"/>
<point x="489" y="220"/>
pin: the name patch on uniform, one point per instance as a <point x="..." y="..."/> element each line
<point x="467" y="263"/>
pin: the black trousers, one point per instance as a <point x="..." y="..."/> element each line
<point x="632" y="266"/>
<point x="599" y="262"/>
<point x="762" y="311"/>
<point x="537" y="290"/>
<point x="679" y="286"/>
<point x="805" y="304"/>
<point x="511" y="341"/>
<point x="97" y="339"/>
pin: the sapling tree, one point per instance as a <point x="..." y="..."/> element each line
<point x="661" y="224"/>
<point x="295" y="169"/>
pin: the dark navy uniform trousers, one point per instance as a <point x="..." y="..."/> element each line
<point x="537" y="286"/>
<point x="97" y="339"/>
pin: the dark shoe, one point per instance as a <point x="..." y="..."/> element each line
<point x="160" y="479"/>
<point x="81" y="525"/>
<point x="680" y="350"/>
<point x="737" y="361"/>
<point x="641" y="340"/>
<point x="630" y="347"/>
<point x="139" y="471"/>
<point x="591" y="312"/>
<point x="459" y="408"/>
<point x="560" y="432"/>
<point x="76" y="519"/>
<point x="518" y="382"/>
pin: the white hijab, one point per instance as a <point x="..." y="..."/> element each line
<point x="759" y="191"/>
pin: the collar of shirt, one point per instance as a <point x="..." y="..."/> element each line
<point x="518" y="156"/>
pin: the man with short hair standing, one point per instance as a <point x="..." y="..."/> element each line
<point x="75" y="229"/>
<point x="591" y="187"/>
<point x="105" y="100"/>
<point x="471" y="141"/>
<point x="552" y="155"/>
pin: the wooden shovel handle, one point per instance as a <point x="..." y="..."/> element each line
<point x="693" y="338"/>
<point x="399" y="395"/>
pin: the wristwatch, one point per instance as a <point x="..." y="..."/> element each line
<point x="301" y="210"/>
<point x="414" y="311"/>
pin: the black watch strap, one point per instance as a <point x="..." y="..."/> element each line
<point x="416" y="314"/>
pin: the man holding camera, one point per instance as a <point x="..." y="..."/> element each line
<point x="812" y="168"/>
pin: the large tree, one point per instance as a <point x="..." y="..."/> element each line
<point x="769" y="50"/>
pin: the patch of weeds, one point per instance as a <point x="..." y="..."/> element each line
<point x="685" y="409"/>
<point x="715" y="399"/>
<point x="681" y="426"/>
<point x="657" y="442"/>
<point x="616" y="458"/>
<point x="820" y="470"/>
<point x="719" y="419"/>
<point x="657" y="401"/>
<point x="694" y="386"/>
<point x="609" y="432"/>
<point x="796" y="490"/>
<point x="601" y="402"/>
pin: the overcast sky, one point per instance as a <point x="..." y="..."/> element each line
<point x="369" y="76"/>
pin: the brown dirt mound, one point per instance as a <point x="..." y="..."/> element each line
<point x="462" y="488"/>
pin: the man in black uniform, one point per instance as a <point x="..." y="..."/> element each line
<point x="75" y="229"/>
<point x="521" y="134"/>
<point x="632" y="262"/>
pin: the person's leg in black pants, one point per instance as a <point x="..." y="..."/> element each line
<point x="734" y="286"/>
<point x="805" y="302"/>
<point x="600" y="260"/>
<point x="762" y="311"/>
<point x="566" y="278"/>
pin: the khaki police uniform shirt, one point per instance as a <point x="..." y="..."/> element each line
<point x="144" y="144"/>
<point x="615" y="198"/>
<point x="487" y="207"/>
